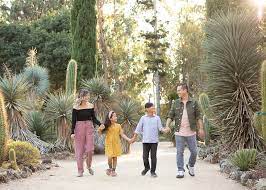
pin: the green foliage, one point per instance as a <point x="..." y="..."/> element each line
<point x="38" y="79"/>
<point x="31" y="9"/>
<point x="26" y="153"/>
<point x="14" y="89"/>
<point x="83" y="29"/>
<point x="233" y="64"/>
<point x="38" y="124"/>
<point x="51" y="37"/>
<point x="244" y="159"/>
<point x="13" y="159"/>
<point x="59" y="108"/>
<point x="3" y="129"/>
<point x="128" y="112"/>
<point x="71" y="77"/>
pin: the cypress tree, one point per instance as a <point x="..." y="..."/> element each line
<point x="83" y="28"/>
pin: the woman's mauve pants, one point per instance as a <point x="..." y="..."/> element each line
<point x="84" y="141"/>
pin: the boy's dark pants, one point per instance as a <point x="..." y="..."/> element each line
<point x="147" y="148"/>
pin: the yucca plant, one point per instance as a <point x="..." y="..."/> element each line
<point x="37" y="123"/>
<point x="244" y="159"/>
<point x="59" y="108"/>
<point x="128" y="114"/>
<point x="100" y="95"/>
<point x="14" y="89"/>
<point x="233" y="64"/>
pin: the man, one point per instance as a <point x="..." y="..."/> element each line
<point x="186" y="113"/>
<point x="149" y="126"/>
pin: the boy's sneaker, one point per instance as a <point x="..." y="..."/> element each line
<point x="144" y="171"/>
<point x="191" y="170"/>
<point x="180" y="174"/>
<point x="153" y="174"/>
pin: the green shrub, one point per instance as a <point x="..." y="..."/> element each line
<point x="244" y="159"/>
<point x="26" y="153"/>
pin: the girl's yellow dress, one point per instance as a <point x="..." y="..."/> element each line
<point x="112" y="141"/>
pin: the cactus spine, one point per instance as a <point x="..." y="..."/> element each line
<point x="71" y="77"/>
<point x="3" y="130"/>
<point x="205" y="106"/>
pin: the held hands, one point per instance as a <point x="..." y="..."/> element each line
<point x="102" y="127"/>
<point x="166" y="130"/>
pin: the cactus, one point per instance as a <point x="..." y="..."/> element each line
<point x="257" y="122"/>
<point x="205" y="107"/>
<point x="71" y="77"/>
<point x="13" y="159"/>
<point x="263" y="97"/>
<point x="3" y="130"/>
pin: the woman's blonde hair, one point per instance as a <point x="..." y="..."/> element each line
<point x="82" y="93"/>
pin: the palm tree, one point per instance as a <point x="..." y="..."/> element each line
<point x="233" y="63"/>
<point x="101" y="98"/>
<point x="59" y="109"/>
<point x="128" y="112"/>
<point x="14" y="89"/>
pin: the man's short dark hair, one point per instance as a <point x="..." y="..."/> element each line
<point x="148" y="105"/>
<point x="184" y="86"/>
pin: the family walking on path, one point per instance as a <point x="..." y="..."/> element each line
<point x="184" y="111"/>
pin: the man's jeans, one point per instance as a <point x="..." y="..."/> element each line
<point x="180" y="146"/>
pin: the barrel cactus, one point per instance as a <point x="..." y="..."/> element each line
<point x="71" y="77"/>
<point x="13" y="159"/>
<point x="3" y="129"/>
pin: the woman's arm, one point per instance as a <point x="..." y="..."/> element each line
<point x="94" y="119"/>
<point x="74" y="120"/>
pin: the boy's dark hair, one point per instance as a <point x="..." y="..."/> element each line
<point x="148" y="105"/>
<point x="184" y="86"/>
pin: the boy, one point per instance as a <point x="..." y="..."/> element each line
<point x="149" y="126"/>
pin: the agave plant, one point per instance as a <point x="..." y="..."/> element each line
<point x="37" y="123"/>
<point x="59" y="108"/>
<point x="128" y="113"/>
<point x="244" y="159"/>
<point x="101" y="98"/>
<point x="233" y="64"/>
<point x="14" y="89"/>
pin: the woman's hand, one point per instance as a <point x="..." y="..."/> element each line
<point x="102" y="127"/>
<point x="72" y="136"/>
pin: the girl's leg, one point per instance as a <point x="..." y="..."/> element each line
<point x="114" y="163"/>
<point x="110" y="162"/>
<point x="114" y="160"/>
<point x="79" y="147"/>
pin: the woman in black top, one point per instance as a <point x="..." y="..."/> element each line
<point x="83" y="118"/>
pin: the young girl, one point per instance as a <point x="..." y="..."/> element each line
<point x="113" y="147"/>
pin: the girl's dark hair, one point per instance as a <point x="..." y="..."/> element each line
<point x="108" y="122"/>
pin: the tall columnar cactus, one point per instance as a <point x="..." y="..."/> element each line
<point x="205" y="107"/>
<point x="71" y="77"/>
<point x="263" y="96"/>
<point x="3" y="129"/>
<point x="13" y="159"/>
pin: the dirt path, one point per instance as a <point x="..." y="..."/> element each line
<point x="207" y="176"/>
